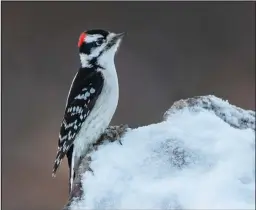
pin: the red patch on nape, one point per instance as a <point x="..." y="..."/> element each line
<point x="81" y="39"/>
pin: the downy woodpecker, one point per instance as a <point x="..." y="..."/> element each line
<point x="92" y="98"/>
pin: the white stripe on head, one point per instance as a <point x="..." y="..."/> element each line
<point x="92" y="37"/>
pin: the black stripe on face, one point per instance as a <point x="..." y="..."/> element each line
<point x="86" y="48"/>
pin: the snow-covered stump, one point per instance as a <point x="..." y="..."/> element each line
<point x="201" y="156"/>
<point x="112" y="133"/>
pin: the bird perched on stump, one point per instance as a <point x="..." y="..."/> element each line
<point x="92" y="99"/>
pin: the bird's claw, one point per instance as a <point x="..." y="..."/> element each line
<point x="89" y="169"/>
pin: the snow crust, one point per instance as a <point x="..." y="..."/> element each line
<point x="191" y="160"/>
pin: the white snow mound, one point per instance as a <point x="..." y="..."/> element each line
<point x="191" y="160"/>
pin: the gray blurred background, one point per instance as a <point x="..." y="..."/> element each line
<point x="171" y="51"/>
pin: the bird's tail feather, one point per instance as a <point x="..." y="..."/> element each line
<point x="57" y="162"/>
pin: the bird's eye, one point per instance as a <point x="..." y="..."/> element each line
<point x="99" y="42"/>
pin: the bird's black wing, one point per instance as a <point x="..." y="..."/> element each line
<point x="85" y="89"/>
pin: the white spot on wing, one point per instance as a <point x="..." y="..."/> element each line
<point x="87" y="94"/>
<point x="83" y="96"/>
<point x="92" y="90"/>
<point x="61" y="138"/>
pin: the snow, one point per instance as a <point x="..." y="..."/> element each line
<point x="192" y="160"/>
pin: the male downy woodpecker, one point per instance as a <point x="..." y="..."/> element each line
<point x="92" y="98"/>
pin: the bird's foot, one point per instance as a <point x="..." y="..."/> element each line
<point x="89" y="169"/>
<point x="114" y="133"/>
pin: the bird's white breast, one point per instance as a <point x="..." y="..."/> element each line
<point x="101" y="114"/>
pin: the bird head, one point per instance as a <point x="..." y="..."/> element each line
<point x="98" y="47"/>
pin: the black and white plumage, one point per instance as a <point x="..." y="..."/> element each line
<point x="92" y="99"/>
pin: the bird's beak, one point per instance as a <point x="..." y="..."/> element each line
<point x="115" y="39"/>
<point x="119" y="36"/>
